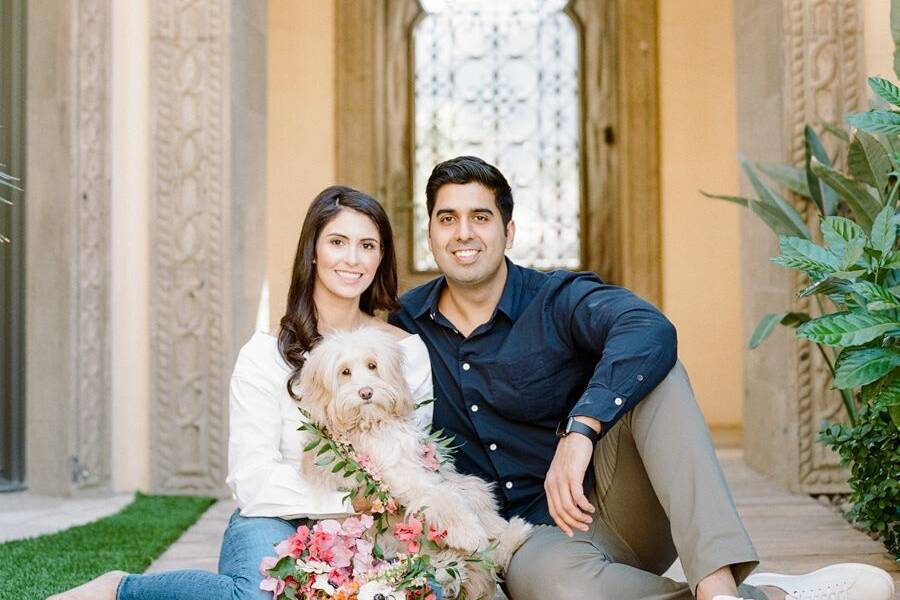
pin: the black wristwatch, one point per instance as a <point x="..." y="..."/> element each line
<point x="570" y="425"/>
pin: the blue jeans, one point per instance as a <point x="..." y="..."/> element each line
<point x="246" y="542"/>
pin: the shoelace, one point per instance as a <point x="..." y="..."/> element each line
<point x="835" y="591"/>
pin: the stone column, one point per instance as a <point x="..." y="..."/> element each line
<point x="207" y="86"/>
<point x="798" y="62"/>
<point x="67" y="247"/>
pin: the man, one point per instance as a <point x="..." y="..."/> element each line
<point x="567" y="393"/>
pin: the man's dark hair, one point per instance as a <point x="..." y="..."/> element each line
<point x="471" y="169"/>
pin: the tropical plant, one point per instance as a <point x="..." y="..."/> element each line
<point x="853" y="272"/>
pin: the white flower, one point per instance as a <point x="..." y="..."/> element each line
<point x="373" y="588"/>
<point x="321" y="583"/>
<point x="313" y="566"/>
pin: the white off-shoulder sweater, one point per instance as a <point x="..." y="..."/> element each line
<point x="264" y="445"/>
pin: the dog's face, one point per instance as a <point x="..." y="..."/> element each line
<point x="354" y="380"/>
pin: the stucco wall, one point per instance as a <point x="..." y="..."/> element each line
<point x="301" y="126"/>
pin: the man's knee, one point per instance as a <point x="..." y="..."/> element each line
<point x="552" y="565"/>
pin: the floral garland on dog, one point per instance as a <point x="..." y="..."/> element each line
<point x="337" y="560"/>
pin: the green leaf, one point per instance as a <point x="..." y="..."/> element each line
<point x="283" y="568"/>
<point x="865" y="207"/>
<point x="792" y="178"/>
<point x="877" y="297"/>
<point x="861" y="366"/>
<point x="838" y="231"/>
<point x="895" y="415"/>
<point x="876" y="121"/>
<point x="848" y="328"/>
<point x="884" y="232"/>
<point x="312" y="445"/>
<point x="338" y="466"/>
<point x="838" y="132"/>
<point x="824" y="197"/>
<point x="888" y="91"/>
<point x="799" y="253"/>
<point x="736" y="199"/>
<point x="827" y="286"/>
<point x="792" y="222"/>
<point x="325" y="460"/>
<point x="868" y="162"/>
<point x="767" y="325"/>
<point x="775" y="219"/>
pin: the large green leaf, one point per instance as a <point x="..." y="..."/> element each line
<point x="864" y="206"/>
<point x="876" y="121"/>
<point x="877" y="297"/>
<point x="736" y="199"/>
<point x="776" y="220"/>
<point x="767" y="325"/>
<point x="824" y="197"/>
<point x="773" y="200"/>
<point x="835" y="130"/>
<point x="887" y="90"/>
<point x="792" y="178"/>
<point x="799" y="253"/>
<point x="868" y="162"/>
<point x="837" y="232"/>
<point x="859" y="366"/>
<point x="848" y="328"/>
<point x="827" y="286"/>
<point x="884" y="232"/>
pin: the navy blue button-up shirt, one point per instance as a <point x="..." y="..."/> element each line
<point x="559" y="344"/>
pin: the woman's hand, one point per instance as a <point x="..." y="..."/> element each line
<point x="362" y="504"/>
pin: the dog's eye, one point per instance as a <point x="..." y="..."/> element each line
<point x="372" y="366"/>
<point x="345" y="372"/>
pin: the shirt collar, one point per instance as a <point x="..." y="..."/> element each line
<point x="509" y="299"/>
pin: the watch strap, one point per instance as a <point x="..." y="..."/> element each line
<point x="574" y="426"/>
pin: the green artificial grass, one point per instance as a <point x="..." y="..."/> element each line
<point x="129" y="540"/>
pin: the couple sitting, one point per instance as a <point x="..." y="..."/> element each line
<point x="563" y="391"/>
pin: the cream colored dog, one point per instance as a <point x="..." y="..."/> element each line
<point x="353" y="384"/>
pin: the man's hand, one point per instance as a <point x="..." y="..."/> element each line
<point x="564" y="484"/>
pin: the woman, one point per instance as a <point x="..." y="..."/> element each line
<point x="344" y="270"/>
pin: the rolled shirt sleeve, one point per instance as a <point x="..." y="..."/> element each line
<point x="264" y="483"/>
<point x="637" y="345"/>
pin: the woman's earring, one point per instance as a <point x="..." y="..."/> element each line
<point x="314" y="261"/>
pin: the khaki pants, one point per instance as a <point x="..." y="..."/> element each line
<point x="660" y="494"/>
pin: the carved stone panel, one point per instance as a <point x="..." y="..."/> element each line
<point x="799" y="62"/>
<point x="67" y="247"/>
<point x="202" y="96"/>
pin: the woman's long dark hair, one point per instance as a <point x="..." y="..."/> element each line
<point x="299" y="326"/>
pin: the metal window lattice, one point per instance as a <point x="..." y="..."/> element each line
<point x="499" y="79"/>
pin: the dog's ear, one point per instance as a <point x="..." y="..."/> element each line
<point x="317" y="380"/>
<point x="391" y="357"/>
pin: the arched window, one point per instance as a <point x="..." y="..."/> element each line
<point x="500" y="80"/>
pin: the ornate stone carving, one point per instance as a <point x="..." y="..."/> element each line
<point x="823" y="80"/>
<point x="189" y="95"/>
<point x="91" y="152"/>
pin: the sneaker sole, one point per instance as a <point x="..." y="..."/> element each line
<point x="785" y="582"/>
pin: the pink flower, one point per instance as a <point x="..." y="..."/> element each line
<point x="292" y="546"/>
<point x="412" y="546"/>
<point x="320" y="546"/>
<point x="408" y="531"/>
<point x="429" y="457"/>
<point x="272" y="584"/>
<point x="391" y="506"/>
<point x="436" y="536"/>
<point x="362" y="560"/>
<point x="267" y="563"/>
<point x="341" y="556"/>
<point x="338" y="577"/>
<point x="355" y="527"/>
<point x="368" y="466"/>
<point x="303" y="532"/>
<point x="329" y="526"/>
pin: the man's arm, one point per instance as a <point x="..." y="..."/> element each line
<point x="637" y="348"/>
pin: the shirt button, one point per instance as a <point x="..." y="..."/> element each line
<point x="432" y="316"/>
<point x="493" y="447"/>
<point x="474" y="408"/>
<point x="618" y="401"/>
<point x="509" y="485"/>
<point x="640" y="377"/>
<point x="466" y="367"/>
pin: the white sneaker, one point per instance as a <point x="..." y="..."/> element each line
<point x="844" y="581"/>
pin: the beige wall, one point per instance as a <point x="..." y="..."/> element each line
<point x="878" y="42"/>
<point x="698" y="142"/>
<point x="301" y="128"/>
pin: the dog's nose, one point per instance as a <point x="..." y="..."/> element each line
<point x="365" y="393"/>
